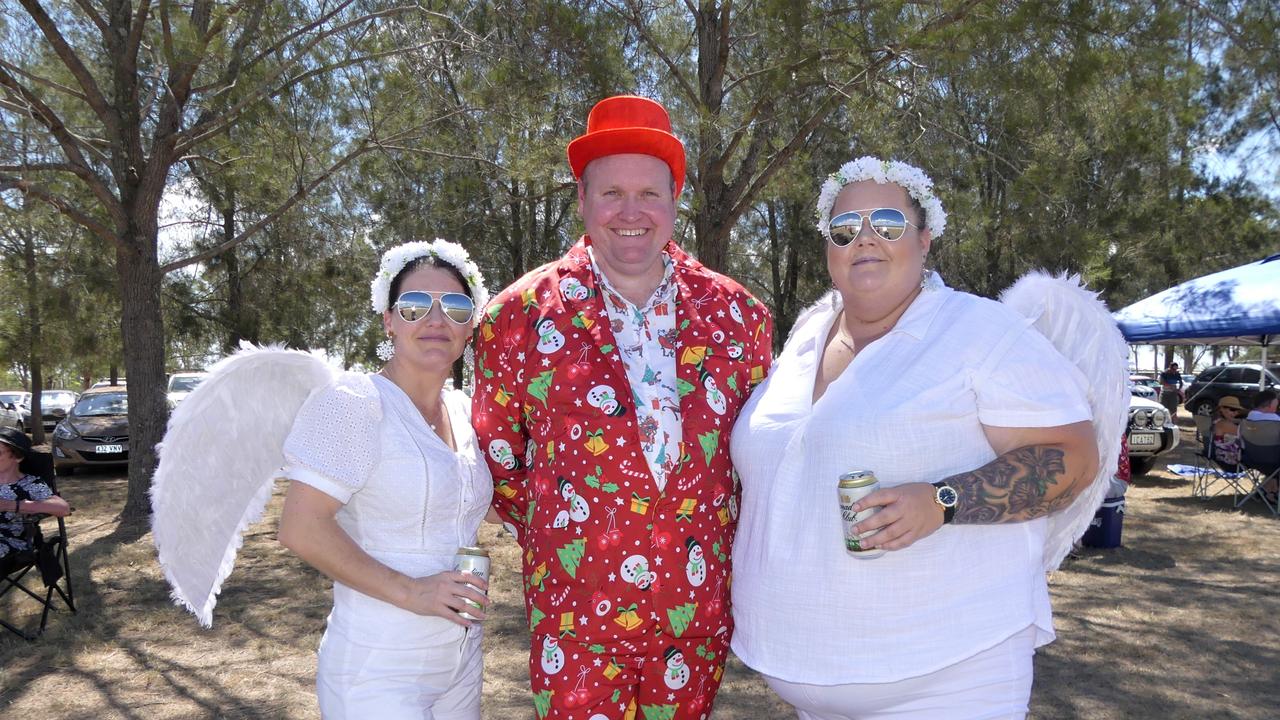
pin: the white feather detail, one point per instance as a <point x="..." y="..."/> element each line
<point x="218" y="460"/>
<point x="1083" y="330"/>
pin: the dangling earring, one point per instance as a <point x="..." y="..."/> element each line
<point x="387" y="348"/>
<point x="469" y="359"/>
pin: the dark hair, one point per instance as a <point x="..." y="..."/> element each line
<point x="425" y="261"/>
<point x="1264" y="397"/>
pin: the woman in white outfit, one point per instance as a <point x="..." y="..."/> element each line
<point x="387" y="483"/>
<point x="976" y="427"/>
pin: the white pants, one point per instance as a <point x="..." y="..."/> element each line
<point x="437" y="682"/>
<point x="995" y="683"/>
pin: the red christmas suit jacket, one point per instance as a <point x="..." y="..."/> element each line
<point x="606" y="555"/>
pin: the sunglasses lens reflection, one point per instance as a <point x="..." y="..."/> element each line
<point x="844" y="228"/>
<point x="889" y="223"/>
<point x="457" y="307"/>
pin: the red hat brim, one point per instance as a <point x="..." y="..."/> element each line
<point x="619" y="141"/>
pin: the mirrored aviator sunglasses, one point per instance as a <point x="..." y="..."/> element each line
<point x="416" y="305"/>
<point x="889" y="223"/>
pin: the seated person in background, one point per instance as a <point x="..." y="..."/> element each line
<point x="1224" y="440"/>
<point x="1264" y="410"/>
<point x="21" y="494"/>
<point x="1264" y="407"/>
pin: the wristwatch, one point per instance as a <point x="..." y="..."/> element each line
<point x="946" y="497"/>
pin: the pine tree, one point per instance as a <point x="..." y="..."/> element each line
<point x="658" y="712"/>
<point x="542" y="703"/>
<point x="680" y="617"/>
<point x="570" y="555"/>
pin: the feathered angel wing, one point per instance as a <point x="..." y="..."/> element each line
<point x="218" y="459"/>
<point x="1081" y="328"/>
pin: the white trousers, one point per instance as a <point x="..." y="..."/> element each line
<point x="994" y="684"/>
<point x="437" y="682"/>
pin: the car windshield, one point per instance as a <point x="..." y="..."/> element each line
<point x="16" y="398"/>
<point x="57" y="396"/>
<point x="184" y="384"/>
<point x="103" y="404"/>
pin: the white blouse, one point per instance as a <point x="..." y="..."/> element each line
<point x="910" y="407"/>
<point x="409" y="500"/>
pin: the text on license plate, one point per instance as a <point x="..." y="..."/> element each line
<point x="1137" y="440"/>
<point x="108" y="449"/>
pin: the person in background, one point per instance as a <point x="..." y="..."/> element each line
<point x="1224" y="436"/>
<point x="21" y="496"/>
<point x="1264" y="407"/>
<point x="1171" y="390"/>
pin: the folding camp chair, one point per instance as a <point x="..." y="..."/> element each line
<point x="48" y="558"/>
<point x="1261" y="457"/>
<point x="1215" y="475"/>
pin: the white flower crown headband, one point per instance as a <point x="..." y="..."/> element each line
<point x="395" y="260"/>
<point x="918" y="185"/>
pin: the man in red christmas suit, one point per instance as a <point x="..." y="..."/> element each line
<point x="607" y="385"/>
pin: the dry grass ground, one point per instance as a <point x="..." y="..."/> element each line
<point x="1182" y="622"/>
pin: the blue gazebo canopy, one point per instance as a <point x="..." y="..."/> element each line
<point x="1240" y="306"/>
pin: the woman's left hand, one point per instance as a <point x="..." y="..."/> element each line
<point x="907" y="513"/>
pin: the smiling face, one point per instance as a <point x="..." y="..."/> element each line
<point x="628" y="207"/>
<point x="434" y="342"/>
<point x="870" y="267"/>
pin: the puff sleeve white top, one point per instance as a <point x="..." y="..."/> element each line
<point x="409" y="500"/>
<point x="909" y="407"/>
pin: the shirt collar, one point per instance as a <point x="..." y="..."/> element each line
<point x="661" y="294"/>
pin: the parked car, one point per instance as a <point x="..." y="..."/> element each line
<point x="181" y="385"/>
<point x="1238" y="379"/>
<point x="1141" y="386"/>
<point x="106" y="382"/>
<point x="95" y="432"/>
<point x="1150" y="434"/>
<point x="21" y="401"/>
<point x="10" y="416"/>
<point x="54" y="406"/>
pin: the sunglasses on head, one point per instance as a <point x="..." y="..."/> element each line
<point x="416" y="304"/>
<point x="888" y="223"/>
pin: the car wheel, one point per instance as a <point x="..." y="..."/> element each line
<point x="1142" y="465"/>
<point x="1204" y="407"/>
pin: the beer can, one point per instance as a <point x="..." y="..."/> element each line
<point x="852" y="487"/>
<point x="475" y="561"/>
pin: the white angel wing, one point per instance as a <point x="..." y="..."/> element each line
<point x="217" y="463"/>
<point x="1081" y="328"/>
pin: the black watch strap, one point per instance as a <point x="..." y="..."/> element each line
<point x="948" y="509"/>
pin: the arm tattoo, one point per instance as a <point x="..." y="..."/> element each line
<point x="1012" y="488"/>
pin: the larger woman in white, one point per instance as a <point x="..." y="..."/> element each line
<point x="976" y="427"/>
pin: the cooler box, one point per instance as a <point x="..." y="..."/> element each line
<point x="1104" y="529"/>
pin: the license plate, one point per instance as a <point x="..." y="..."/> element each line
<point x="1137" y="440"/>
<point x="107" y="449"/>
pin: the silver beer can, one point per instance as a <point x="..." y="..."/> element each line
<point x="852" y="487"/>
<point x="475" y="561"/>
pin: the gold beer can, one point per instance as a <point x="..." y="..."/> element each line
<point x="852" y="487"/>
<point x="475" y="561"/>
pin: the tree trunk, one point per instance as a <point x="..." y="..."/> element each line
<point x="34" y="340"/>
<point x="142" y="336"/>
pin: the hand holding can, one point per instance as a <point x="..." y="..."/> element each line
<point x="852" y="487"/>
<point x="474" y="561"/>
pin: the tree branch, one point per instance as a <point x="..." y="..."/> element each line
<point x="634" y="20"/>
<point x="66" y="89"/>
<point x="26" y="187"/>
<point x="300" y="194"/>
<point x="93" y="94"/>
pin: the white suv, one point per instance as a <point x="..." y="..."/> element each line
<point x="181" y="385"/>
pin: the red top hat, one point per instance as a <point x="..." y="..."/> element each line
<point x="628" y="124"/>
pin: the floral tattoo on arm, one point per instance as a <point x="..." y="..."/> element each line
<point x="1013" y="488"/>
